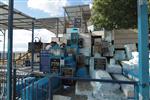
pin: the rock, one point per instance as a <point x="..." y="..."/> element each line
<point x="115" y="69"/>
<point x="100" y="74"/>
<point x="60" y="97"/>
<point x="128" y="90"/>
<point x="83" y="88"/>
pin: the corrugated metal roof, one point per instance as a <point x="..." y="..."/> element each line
<point x="82" y="11"/>
<point x="23" y="21"/>
<point x="55" y="25"/>
<point x="78" y="16"/>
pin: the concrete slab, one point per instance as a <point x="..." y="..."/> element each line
<point x="60" y="97"/>
<point x="83" y="88"/>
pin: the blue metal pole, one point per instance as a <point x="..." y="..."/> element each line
<point x="50" y="90"/>
<point x="14" y="81"/>
<point x="96" y="80"/>
<point x="136" y="92"/>
<point x="10" y="50"/>
<point x="32" y="62"/>
<point x="143" y="49"/>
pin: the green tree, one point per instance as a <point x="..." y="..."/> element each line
<point x="110" y="14"/>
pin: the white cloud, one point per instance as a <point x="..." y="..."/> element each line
<point x="4" y="1"/>
<point x="91" y="5"/>
<point x="53" y="7"/>
<point x="22" y="37"/>
<point x="86" y="1"/>
<point x="44" y="34"/>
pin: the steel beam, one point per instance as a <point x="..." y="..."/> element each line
<point x="67" y="14"/>
<point x="10" y="50"/>
<point x="32" y="51"/>
<point x="143" y="49"/>
<point x="96" y="80"/>
<point x="5" y="19"/>
<point x="16" y="12"/>
<point x="4" y="35"/>
<point x="13" y="26"/>
<point x="20" y="21"/>
<point x="57" y="28"/>
<point x="14" y="80"/>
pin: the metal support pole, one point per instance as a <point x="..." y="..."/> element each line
<point x="4" y="34"/>
<point x="10" y="50"/>
<point x="57" y="27"/>
<point x="143" y="49"/>
<point x="64" y="22"/>
<point x="50" y="89"/>
<point x="136" y="92"/>
<point x="14" y="81"/>
<point x="32" y="52"/>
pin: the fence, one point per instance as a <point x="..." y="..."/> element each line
<point x="28" y="87"/>
<point x="17" y="79"/>
<point x="31" y="88"/>
<point x="2" y="83"/>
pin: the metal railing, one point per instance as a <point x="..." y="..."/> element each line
<point x="135" y="83"/>
<point x="2" y="82"/>
<point x="29" y="88"/>
<point x="17" y="76"/>
<point x="26" y="87"/>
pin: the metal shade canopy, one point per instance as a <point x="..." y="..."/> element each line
<point x="23" y="21"/>
<point x="55" y="25"/>
<point x="78" y="16"/>
<point x="82" y="11"/>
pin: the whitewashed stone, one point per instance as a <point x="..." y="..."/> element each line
<point x="83" y="88"/>
<point x="128" y="90"/>
<point x="116" y="69"/>
<point x="60" y="97"/>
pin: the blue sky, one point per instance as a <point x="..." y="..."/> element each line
<point x="38" y="9"/>
<point x="23" y="5"/>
